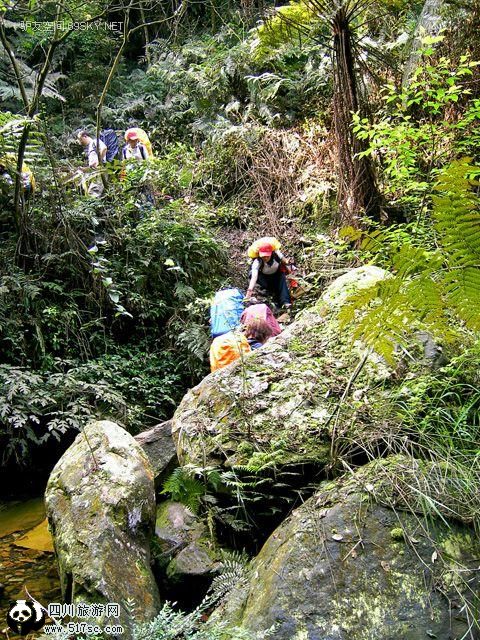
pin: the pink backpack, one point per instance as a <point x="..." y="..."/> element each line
<point x="263" y="312"/>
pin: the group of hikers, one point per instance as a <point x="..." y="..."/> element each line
<point x="98" y="153"/>
<point x="106" y="149"/>
<point x="239" y="323"/>
<point x="237" y="330"/>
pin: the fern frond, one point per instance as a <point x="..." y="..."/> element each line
<point x="428" y="286"/>
<point x="184" y="488"/>
<point x="11" y="130"/>
<point x="456" y="213"/>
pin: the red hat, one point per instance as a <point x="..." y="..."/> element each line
<point x="131" y="135"/>
<point x="265" y="250"/>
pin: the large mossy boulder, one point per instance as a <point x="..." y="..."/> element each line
<point x="101" y="509"/>
<point x="352" y="564"/>
<point x="279" y="404"/>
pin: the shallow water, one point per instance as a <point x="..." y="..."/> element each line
<point x="20" y="567"/>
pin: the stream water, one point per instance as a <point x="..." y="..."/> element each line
<point x="26" y="558"/>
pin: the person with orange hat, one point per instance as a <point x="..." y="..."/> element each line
<point x="134" y="149"/>
<point x="268" y="272"/>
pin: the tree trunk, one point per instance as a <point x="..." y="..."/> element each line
<point x="430" y="23"/>
<point x="357" y="190"/>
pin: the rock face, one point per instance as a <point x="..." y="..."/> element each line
<point x="280" y="404"/>
<point x="350" y="565"/>
<point x="183" y="542"/>
<point x="158" y="444"/>
<point x="101" y="509"/>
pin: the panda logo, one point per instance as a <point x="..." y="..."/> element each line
<point x="25" y="616"/>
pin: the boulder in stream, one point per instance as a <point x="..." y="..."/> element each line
<point x="353" y="564"/>
<point x="101" y="509"/>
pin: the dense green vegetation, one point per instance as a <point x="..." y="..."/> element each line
<point x="104" y="303"/>
<point x="348" y="129"/>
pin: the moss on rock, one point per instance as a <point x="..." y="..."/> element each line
<point x="101" y="504"/>
<point x="331" y="571"/>
<point x="282" y="398"/>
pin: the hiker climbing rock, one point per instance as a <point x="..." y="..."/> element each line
<point x="227" y="348"/>
<point x="137" y="149"/>
<point x="95" y="158"/>
<point x="138" y="145"/>
<point x="257" y="332"/>
<point x="268" y="270"/>
<point x="260" y="312"/>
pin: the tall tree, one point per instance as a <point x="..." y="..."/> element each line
<point x="336" y="24"/>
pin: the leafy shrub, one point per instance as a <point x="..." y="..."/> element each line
<point x="34" y="407"/>
<point x="134" y="387"/>
<point x="417" y="132"/>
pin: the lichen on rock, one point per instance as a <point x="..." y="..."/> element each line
<point x="183" y="542"/>
<point x="332" y="570"/>
<point x="281" y="398"/>
<point x="101" y="509"/>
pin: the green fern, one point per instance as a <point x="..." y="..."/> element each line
<point x="29" y="75"/>
<point x="456" y="211"/>
<point x="170" y="624"/>
<point x="234" y="574"/>
<point x="11" y="129"/>
<point x="185" y="488"/>
<point x="427" y="286"/>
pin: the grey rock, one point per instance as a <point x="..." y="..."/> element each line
<point x="159" y="446"/>
<point x="101" y="508"/>
<point x="184" y="542"/>
<point x="280" y="398"/>
<point x="338" y="568"/>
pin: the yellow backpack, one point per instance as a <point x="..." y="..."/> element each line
<point x="227" y="348"/>
<point x="253" y="248"/>
<point x="27" y="177"/>
<point x="10" y="162"/>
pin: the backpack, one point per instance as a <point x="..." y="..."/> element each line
<point x="28" y="179"/>
<point x="253" y="248"/>
<point x="225" y="311"/>
<point x="144" y="139"/>
<point x="227" y="348"/>
<point x="110" y="140"/>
